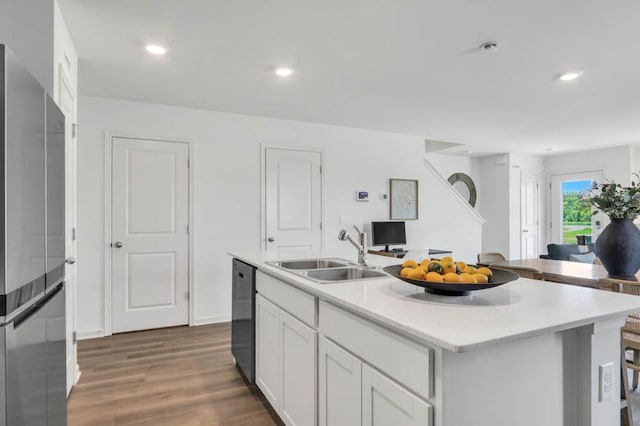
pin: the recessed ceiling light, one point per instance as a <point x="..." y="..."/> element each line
<point x="571" y="75"/>
<point x="284" y="72"/>
<point x="156" y="49"/>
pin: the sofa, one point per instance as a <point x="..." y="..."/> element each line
<point x="564" y="251"/>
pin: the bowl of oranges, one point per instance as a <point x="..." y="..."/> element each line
<point x="448" y="277"/>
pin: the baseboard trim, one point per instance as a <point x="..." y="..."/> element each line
<point x="211" y="320"/>
<point x="86" y="335"/>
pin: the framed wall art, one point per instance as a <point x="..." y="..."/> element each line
<point x="403" y="199"/>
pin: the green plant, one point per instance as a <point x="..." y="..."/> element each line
<point x="615" y="200"/>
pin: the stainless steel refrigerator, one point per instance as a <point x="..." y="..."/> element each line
<point x="32" y="292"/>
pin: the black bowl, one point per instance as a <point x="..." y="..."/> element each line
<point x="500" y="276"/>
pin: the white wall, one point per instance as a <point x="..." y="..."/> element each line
<point x="26" y="27"/>
<point x="227" y="190"/>
<point x="493" y="203"/>
<point x="615" y="163"/>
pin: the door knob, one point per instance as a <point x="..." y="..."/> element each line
<point x="271" y="239"/>
<point x="117" y="244"/>
<point x="70" y="260"/>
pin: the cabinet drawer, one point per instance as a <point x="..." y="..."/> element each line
<point x="298" y="303"/>
<point x="409" y="363"/>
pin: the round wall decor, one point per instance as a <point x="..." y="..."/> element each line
<point x="465" y="186"/>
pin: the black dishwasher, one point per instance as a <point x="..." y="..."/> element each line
<point x="243" y="325"/>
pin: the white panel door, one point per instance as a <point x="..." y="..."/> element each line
<point x="529" y="217"/>
<point x="268" y="351"/>
<point x="293" y="194"/>
<point x="298" y="372"/>
<point x="150" y="190"/>
<point x="67" y="103"/>
<point x="384" y="402"/>
<point x="339" y="387"/>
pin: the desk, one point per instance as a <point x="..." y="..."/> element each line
<point x="400" y="254"/>
<point x="562" y="271"/>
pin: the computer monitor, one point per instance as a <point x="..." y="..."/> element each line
<point x="386" y="233"/>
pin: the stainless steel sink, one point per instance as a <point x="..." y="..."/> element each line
<point x="328" y="270"/>
<point x="342" y="274"/>
<point x="306" y="264"/>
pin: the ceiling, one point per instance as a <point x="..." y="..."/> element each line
<point x="410" y="66"/>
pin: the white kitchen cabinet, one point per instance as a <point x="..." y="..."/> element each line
<point x="298" y="357"/>
<point x="386" y="403"/>
<point x="286" y="363"/>
<point x="268" y="351"/>
<point x="339" y="387"/>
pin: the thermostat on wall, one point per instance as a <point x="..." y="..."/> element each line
<point x="362" y="195"/>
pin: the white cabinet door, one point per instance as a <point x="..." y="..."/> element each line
<point x="298" y="372"/>
<point x="268" y="353"/>
<point x="339" y="387"/>
<point x="386" y="403"/>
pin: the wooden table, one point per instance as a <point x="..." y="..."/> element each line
<point x="562" y="271"/>
<point x="400" y="253"/>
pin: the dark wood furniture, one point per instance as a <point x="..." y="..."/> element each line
<point x="400" y="254"/>
<point x="561" y="271"/>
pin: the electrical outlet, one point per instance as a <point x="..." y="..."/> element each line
<point x="606" y="381"/>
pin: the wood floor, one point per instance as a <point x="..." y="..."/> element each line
<point x="174" y="376"/>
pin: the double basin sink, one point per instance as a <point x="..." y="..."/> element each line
<point x="331" y="270"/>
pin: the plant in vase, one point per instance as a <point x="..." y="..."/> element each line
<point x="618" y="246"/>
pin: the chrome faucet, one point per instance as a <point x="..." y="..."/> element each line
<point x="361" y="246"/>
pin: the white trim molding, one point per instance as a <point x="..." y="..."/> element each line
<point x="473" y="212"/>
<point x="212" y="320"/>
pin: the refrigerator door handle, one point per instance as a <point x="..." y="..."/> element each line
<point x="24" y="316"/>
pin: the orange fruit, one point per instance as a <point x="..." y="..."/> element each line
<point x="434" y="267"/>
<point x="434" y="277"/>
<point x="485" y="271"/>
<point x="451" y="277"/>
<point x="446" y="259"/>
<point x="448" y="267"/>
<point x="409" y="263"/>
<point x="425" y="262"/>
<point x="470" y="270"/>
<point x="481" y="278"/>
<point x="416" y="274"/>
<point x="405" y="272"/>
<point x="436" y="260"/>
<point x="461" y="265"/>
<point x="468" y="278"/>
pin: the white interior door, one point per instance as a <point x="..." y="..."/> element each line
<point x="150" y="242"/>
<point x="566" y="222"/>
<point x="293" y="200"/>
<point x="67" y="103"/>
<point x="530" y="217"/>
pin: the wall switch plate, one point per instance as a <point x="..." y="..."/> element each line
<point x="383" y="196"/>
<point x="606" y="381"/>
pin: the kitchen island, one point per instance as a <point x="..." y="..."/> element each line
<point x="381" y="351"/>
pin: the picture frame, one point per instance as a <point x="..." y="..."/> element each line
<point x="403" y="194"/>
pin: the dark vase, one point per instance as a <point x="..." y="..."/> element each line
<point x="618" y="247"/>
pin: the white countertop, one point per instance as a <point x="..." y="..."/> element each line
<point x="520" y="309"/>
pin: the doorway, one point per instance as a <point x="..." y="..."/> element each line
<point x="529" y="220"/>
<point x="292" y="183"/>
<point x="149" y="241"/>
<point x="571" y="213"/>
